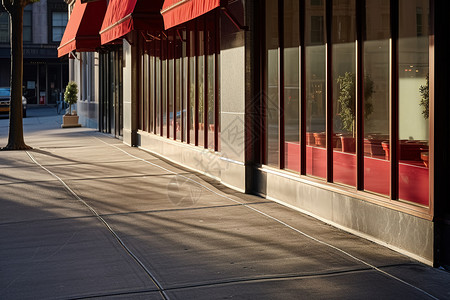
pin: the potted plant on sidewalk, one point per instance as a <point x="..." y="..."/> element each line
<point x="70" y="119"/>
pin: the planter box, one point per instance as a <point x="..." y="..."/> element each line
<point x="70" y="121"/>
<point x="409" y="150"/>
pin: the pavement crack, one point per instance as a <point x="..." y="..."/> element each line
<point x="266" y="279"/>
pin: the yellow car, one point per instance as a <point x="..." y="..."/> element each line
<point x="5" y="97"/>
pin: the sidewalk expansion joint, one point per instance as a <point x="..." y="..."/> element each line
<point x="106" y="224"/>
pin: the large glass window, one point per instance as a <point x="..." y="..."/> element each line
<point x="292" y="85"/>
<point x="413" y="56"/>
<point x="178" y="87"/>
<point x="210" y="56"/>
<point x="344" y="92"/>
<point x="144" y="92"/>
<point x="184" y="86"/>
<point x="201" y="81"/>
<point x="192" y="83"/>
<point x="179" y="83"/>
<point x="271" y="81"/>
<point x="157" y="110"/>
<point x="151" y="93"/>
<point x="164" y="84"/>
<point x="376" y="97"/>
<point x="171" y="86"/>
<point x="316" y="159"/>
<point x="369" y="114"/>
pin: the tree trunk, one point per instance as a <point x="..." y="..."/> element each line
<point x="15" y="139"/>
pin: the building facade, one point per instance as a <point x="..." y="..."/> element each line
<point x="44" y="74"/>
<point x="332" y="107"/>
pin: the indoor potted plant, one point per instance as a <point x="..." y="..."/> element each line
<point x="346" y="100"/>
<point x="70" y="119"/>
<point x="424" y="102"/>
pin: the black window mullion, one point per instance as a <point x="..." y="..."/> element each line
<point x="167" y="54"/>
<point x="394" y="96"/>
<point x="154" y="85"/>
<point x="216" y="80"/>
<point x="281" y="137"/>
<point x="329" y="89"/>
<point x="161" y="112"/>
<point x="196" y="119"/>
<point x="188" y="86"/>
<point x="174" y="78"/>
<point x="182" y="87"/>
<point x="360" y="37"/>
<point x="303" y="142"/>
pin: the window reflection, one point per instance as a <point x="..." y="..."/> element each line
<point x="292" y="85"/>
<point x="201" y="81"/>
<point x="413" y="121"/>
<point x="376" y="122"/>
<point x="315" y="90"/>
<point x="192" y="83"/>
<point x="344" y="96"/>
<point x="271" y="93"/>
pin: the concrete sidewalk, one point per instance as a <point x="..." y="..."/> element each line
<point x="84" y="216"/>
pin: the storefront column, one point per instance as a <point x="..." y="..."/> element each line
<point x="439" y="109"/>
<point x="130" y="90"/>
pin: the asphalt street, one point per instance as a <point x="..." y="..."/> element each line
<point x="84" y="216"/>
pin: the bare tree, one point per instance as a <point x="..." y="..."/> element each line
<point x="15" y="9"/>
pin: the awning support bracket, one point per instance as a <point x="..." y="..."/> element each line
<point x="233" y="19"/>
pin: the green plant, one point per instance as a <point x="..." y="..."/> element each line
<point x="71" y="94"/>
<point x="424" y="102"/>
<point x="347" y="99"/>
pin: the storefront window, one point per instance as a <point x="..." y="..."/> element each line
<point x="151" y="94"/>
<point x="201" y="81"/>
<point x="184" y="85"/>
<point x="157" y="47"/>
<point x="377" y="116"/>
<point x="170" y="80"/>
<point x="164" y="86"/>
<point x="413" y="47"/>
<point x="144" y="92"/>
<point x="178" y="86"/>
<point x="192" y="83"/>
<point x="292" y="85"/>
<point x="316" y="158"/>
<point x="210" y="55"/>
<point x="271" y="93"/>
<point x="344" y="92"/>
<point x="180" y="64"/>
<point x="376" y="97"/>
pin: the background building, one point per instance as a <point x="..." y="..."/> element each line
<point x="44" y="74"/>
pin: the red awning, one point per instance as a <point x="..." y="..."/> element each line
<point x="81" y="33"/>
<point x="176" y="12"/>
<point x="123" y="16"/>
